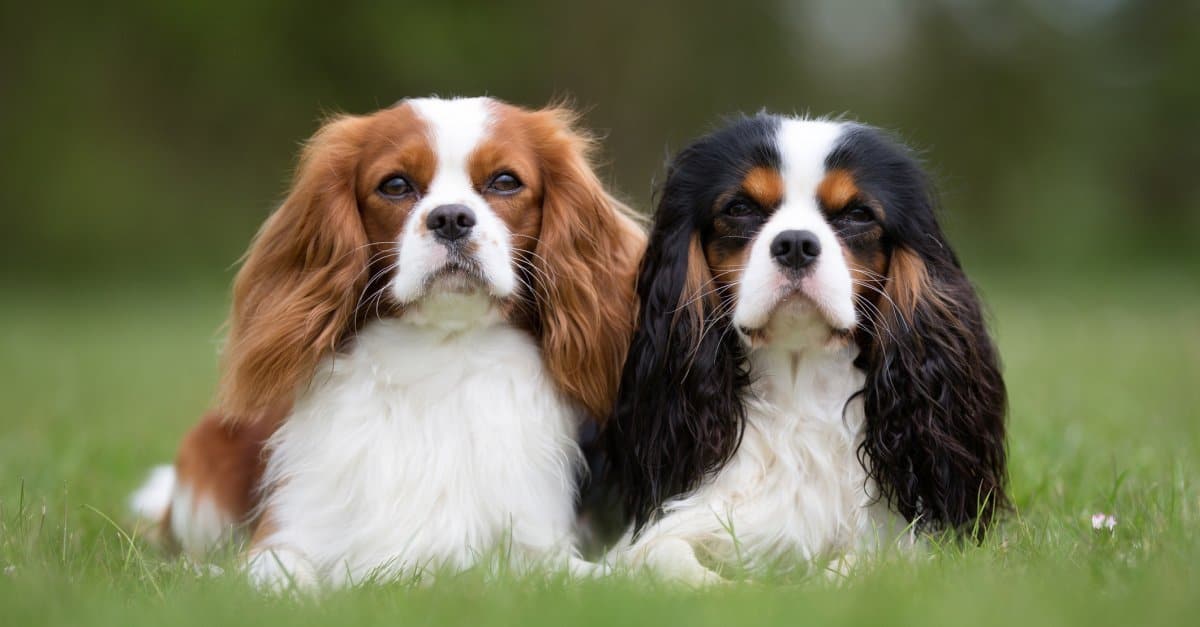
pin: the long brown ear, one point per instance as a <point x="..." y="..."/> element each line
<point x="295" y="296"/>
<point x="588" y="253"/>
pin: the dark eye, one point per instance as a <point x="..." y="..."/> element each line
<point x="504" y="183"/>
<point x="857" y="214"/>
<point x="739" y="209"/>
<point x="396" y="187"/>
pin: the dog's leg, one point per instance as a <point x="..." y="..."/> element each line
<point x="674" y="558"/>
<point x="280" y="570"/>
<point x="207" y="497"/>
<point x="580" y="568"/>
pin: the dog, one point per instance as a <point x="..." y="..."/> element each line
<point x="811" y="376"/>
<point x="417" y="335"/>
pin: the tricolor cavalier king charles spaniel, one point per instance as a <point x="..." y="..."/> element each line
<point x="811" y="376"/>
<point x="417" y="335"/>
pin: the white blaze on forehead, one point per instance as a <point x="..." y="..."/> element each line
<point x="455" y="128"/>
<point x="803" y="146"/>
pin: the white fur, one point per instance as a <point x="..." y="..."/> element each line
<point x="198" y="523"/>
<point x="795" y="491"/>
<point x="455" y="127"/>
<point x="438" y="440"/>
<point x="195" y="521"/>
<point x="150" y="502"/>
<point x="803" y="145"/>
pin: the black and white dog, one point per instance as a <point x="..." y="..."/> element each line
<point x="811" y="375"/>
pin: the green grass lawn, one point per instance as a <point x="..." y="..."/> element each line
<point x="1104" y="376"/>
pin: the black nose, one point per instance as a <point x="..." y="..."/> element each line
<point x="795" y="249"/>
<point x="450" y="222"/>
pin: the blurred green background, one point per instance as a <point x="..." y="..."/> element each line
<point x="151" y="138"/>
<point x="143" y="143"/>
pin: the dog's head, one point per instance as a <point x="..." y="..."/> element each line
<point x="392" y="213"/>
<point x="807" y="235"/>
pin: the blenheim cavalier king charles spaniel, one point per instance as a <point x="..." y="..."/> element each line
<point x="417" y="335"/>
<point x="811" y="376"/>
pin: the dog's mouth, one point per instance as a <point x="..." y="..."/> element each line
<point x="457" y="276"/>
<point x="797" y="318"/>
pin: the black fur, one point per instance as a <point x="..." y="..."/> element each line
<point x="934" y="398"/>
<point x="679" y="412"/>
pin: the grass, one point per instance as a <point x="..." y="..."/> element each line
<point x="100" y="381"/>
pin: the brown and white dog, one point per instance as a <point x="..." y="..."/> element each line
<point x="417" y="335"/>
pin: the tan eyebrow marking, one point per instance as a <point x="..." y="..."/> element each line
<point x="764" y="185"/>
<point x="837" y="190"/>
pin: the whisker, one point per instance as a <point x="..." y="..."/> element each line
<point x="885" y="295"/>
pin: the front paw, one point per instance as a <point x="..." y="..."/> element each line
<point x="702" y="577"/>
<point x="279" y="570"/>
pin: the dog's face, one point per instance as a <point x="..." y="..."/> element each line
<point x="783" y="232"/>
<point x="794" y="225"/>
<point x="451" y="196"/>
<point x="428" y="199"/>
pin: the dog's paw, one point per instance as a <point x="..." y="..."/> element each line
<point x="280" y="570"/>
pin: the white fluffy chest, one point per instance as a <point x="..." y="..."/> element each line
<point x="424" y="448"/>
<point x="795" y="487"/>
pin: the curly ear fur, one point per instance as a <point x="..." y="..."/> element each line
<point x="295" y="296"/>
<point x="934" y="399"/>
<point x="587" y="255"/>
<point x="679" y="413"/>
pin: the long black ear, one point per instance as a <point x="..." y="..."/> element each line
<point x="935" y="400"/>
<point x="678" y="414"/>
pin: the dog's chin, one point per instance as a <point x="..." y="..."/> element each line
<point x="454" y="298"/>
<point x="797" y="322"/>
<point x="455" y="279"/>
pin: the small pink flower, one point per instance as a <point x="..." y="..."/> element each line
<point x="1103" y="521"/>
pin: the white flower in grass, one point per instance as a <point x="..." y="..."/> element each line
<point x="1101" y="520"/>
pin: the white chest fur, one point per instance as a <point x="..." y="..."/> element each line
<point x="795" y="489"/>
<point x="426" y="446"/>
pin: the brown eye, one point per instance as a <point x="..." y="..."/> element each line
<point x="857" y="214"/>
<point x="396" y="187"/>
<point x="739" y="209"/>
<point x="504" y="183"/>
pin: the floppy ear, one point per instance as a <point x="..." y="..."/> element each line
<point x="679" y="411"/>
<point x="295" y="296"/>
<point x="587" y="255"/>
<point x="934" y="398"/>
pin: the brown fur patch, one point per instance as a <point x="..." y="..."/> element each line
<point x="264" y="528"/>
<point x="224" y="462"/>
<point x="911" y="287"/>
<point x="764" y="185"/>
<point x="509" y="148"/>
<point x="836" y="190"/>
<point x="585" y="256"/>
<point x="298" y="292"/>
<point x="296" y="296"/>
<point x="908" y="282"/>
<point x="396" y="144"/>
<point x="726" y="264"/>
<point x="868" y="266"/>
<point x="699" y="292"/>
